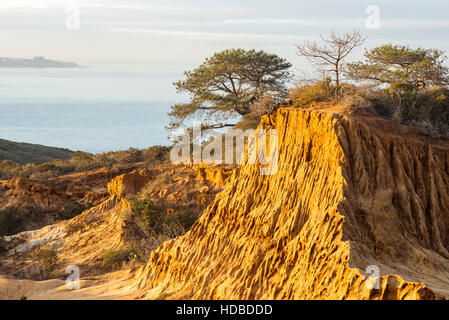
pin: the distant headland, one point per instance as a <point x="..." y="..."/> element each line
<point x="36" y="62"/>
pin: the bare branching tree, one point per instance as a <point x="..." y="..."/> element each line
<point x="329" y="56"/>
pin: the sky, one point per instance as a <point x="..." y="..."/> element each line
<point x="168" y="37"/>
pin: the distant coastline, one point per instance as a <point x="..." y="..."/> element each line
<point x="36" y="62"/>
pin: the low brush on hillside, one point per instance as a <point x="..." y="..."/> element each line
<point x="83" y="161"/>
<point x="23" y="153"/>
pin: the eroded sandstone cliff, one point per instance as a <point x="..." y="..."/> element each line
<point x="353" y="195"/>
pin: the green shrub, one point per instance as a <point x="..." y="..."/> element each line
<point x="136" y="253"/>
<point x="426" y="109"/>
<point x="145" y="215"/>
<point x="431" y="104"/>
<point x="202" y="198"/>
<point x="147" y="226"/>
<point x="182" y="217"/>
<point x="152" y="222"/>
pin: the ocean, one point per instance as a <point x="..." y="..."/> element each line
<point x="88" y="109"/>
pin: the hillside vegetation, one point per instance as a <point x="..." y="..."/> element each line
<point x="23" y="153"/>
<point x="82" y="161"/>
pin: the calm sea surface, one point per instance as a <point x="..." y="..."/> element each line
<point x="93" y="110"/>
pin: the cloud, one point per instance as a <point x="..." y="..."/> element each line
<point x="411" y="24"/>
<point x="240" y="21"/>
<point x="49" y="4"/>
<point x="215" y="35"/>
<point x="197" y="28"/>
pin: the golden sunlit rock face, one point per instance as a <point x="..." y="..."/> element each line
<point x="353" y="195"/>
<point x="217" y="176"/>
<point x="358" y="209"/>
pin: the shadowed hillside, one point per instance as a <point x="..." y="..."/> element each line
<point x="23" y="153"/>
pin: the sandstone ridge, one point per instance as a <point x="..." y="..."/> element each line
<point x="353" y="195"/>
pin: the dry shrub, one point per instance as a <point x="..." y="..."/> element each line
<point x="47" y="259"/>
<point x="310" y="95"/>
<point x="115" y="258"/>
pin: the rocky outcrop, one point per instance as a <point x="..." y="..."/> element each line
<point x="53" y="193"/>
<point x="83" y="240"/>
<point x="40" y="202"/>
<point x="129" y="184"/>
<point x="357" y="209"/>
<point x="352" y="196"/>
<point x="215" y="175"/>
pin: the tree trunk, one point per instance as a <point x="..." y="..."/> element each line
<point x="337" y="76"/>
